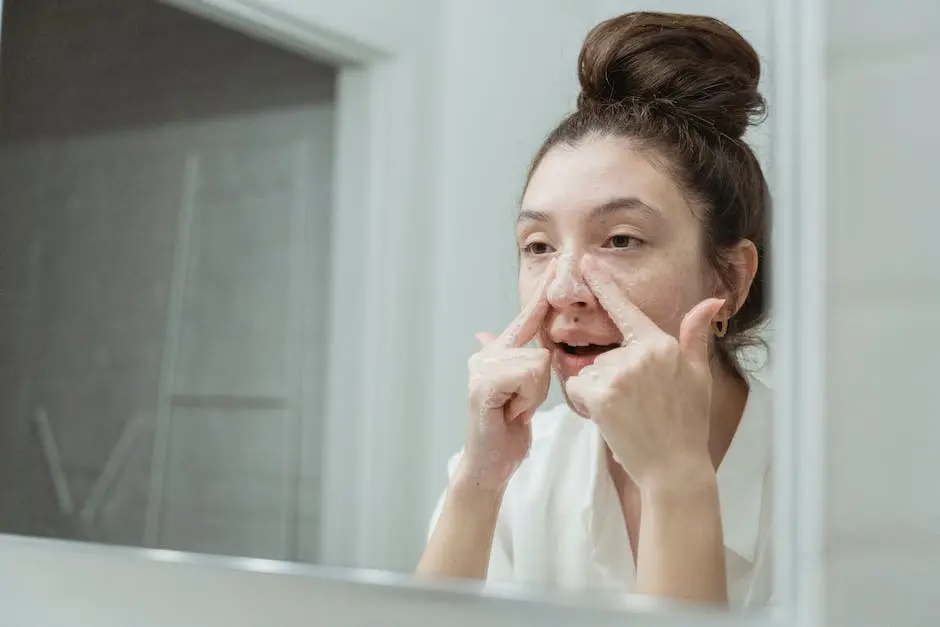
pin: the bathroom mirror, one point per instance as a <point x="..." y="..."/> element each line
<point x="246" y="249"/>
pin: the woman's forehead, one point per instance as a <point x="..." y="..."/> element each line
<point x="596" y="172"/>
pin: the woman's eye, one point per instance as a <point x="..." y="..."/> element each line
<point x="623" y="241"/>
<point x="537" y="248"/>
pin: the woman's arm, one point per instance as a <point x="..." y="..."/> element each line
<point x="508" y="382"/>
<point x="680" y="553"/>
<point x="460" y="545"/>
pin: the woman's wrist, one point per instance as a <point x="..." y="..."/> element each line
<point x="681" y="545"/>
<point x="462" y="539"/>
<point x="472" y="484"/>
<point x="688" y="477"/>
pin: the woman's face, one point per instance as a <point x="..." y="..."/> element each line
<point x="603" y="198"/>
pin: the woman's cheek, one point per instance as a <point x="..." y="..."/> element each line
<point x="529" y="274"/>
<point x="637" y="282"/>
<point x="661" y="295"/>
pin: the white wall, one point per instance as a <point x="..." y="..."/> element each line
<point x="883" y="349"/>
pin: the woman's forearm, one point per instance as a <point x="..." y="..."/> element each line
<point x="680" y="553"/>
<point x="461" y="542"/>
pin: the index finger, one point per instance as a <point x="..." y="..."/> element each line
<point x="627" y="317"/>
<point x="521" y="330"/>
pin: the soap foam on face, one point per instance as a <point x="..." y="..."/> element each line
<point x="566" y="284"/>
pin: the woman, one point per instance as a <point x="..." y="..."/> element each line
<point x="643" y="246"/>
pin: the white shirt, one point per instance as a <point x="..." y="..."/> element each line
<point x="561" y="524"/>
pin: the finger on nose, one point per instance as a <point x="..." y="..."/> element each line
<point x="524" y="328"/>
<point x="626" y="316"/>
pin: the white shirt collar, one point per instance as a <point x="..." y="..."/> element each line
<point x="742" y="472"/>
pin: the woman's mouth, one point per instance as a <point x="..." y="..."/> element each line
<point x="587" y="349"/>
<point x="571" y="359"/>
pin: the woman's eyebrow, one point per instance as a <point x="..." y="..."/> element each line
<point x="612" y="206"/>
<point x="527" y="215"/>
<point x="626" y="204"/>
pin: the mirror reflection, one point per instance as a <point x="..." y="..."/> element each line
<point x="167" y="193"/>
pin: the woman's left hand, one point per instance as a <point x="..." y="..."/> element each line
<point x="650" y="398"/>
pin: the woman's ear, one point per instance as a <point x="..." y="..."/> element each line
<point x="741" y="263"/>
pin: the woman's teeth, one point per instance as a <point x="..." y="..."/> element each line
<point x="587" y="349"/>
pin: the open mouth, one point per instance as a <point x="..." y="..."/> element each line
<point x="588" y="349"/>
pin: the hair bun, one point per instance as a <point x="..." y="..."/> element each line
<point x="697" y="67"/>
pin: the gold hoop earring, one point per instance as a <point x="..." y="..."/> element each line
<point x="720" y="328"/>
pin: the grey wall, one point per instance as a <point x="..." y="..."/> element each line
<point x="883" y="349"/>
<point x="117" y="115"/>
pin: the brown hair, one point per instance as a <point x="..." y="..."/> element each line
<point x="685" y="88"/>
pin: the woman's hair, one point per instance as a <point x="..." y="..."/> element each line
<point x="684" y="89"/>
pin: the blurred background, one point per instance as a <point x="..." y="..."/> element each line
<point x="153" y="170"/>
<point x="203" y="345"/>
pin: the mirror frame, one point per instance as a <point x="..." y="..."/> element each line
<point x="379" y="84"/>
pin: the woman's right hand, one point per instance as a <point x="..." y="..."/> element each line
<point x="508" y="382"/>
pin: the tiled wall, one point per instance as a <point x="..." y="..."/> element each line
<point x="883" y="347"/>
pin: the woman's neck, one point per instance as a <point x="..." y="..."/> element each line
<point x="729" y="397"/>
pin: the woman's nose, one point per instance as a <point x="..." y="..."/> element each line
<point x="568" y="288"/>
